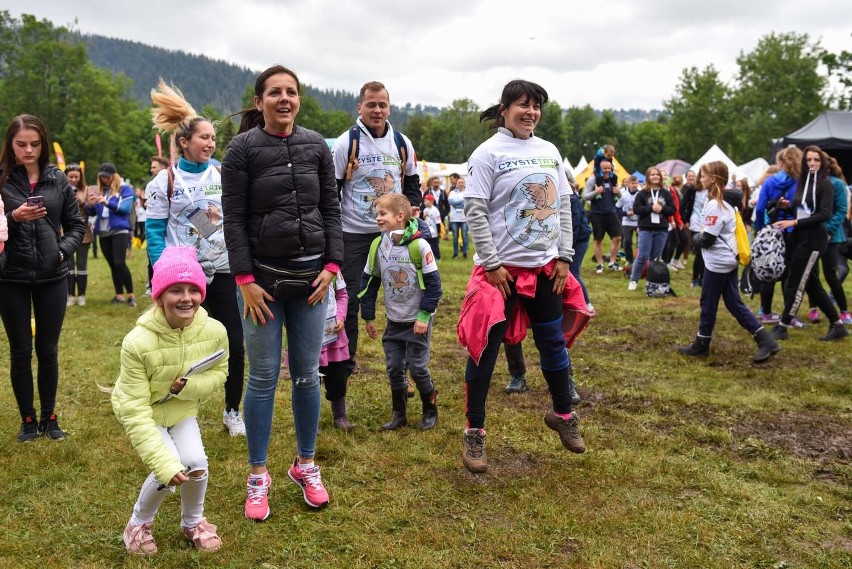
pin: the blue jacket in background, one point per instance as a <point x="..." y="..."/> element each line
<point x="119" y="210"/>
<point x="834" y="226"/>
<point x="580" y="223"/>
<point x="778" y="186"/>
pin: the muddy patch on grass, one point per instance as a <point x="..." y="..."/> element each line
<point x="820" y="437"/>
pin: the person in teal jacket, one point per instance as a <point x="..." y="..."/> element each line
<point x="156" y="399"/>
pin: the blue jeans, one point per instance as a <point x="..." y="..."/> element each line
<point x="579" y="254"/>
<point x="459" y="227"/>
<point x="305" y="325"/>
<point x="651" y="245"/>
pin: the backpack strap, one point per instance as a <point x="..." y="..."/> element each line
<point x="371" y="263"/>
<point x="354" y="143"/>
<point x="417" y="259"/>
<point x="402" y="149"/>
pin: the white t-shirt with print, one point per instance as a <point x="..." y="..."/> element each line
<point x="524" y="183"/>
<point x="194" y="213"/>
<point x="456" y="200"/>
<point x="399" y="277"/>
<point x="719" y="220"/>
<point x="432" y="217"/>
<point x="378" y="173"/>
<point x="696" y="220"/>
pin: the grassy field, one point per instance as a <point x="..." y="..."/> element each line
<point x="690" y="463"/>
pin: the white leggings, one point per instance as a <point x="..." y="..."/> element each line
<point x="184" y="441"/>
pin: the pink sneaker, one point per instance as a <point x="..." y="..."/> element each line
<point x="311" y="484"/>
<point x="138" y="539"/>
<point x="257" y="504"/>
<point x="846" y="318"/>
<point x="813" y="315"/>
<point x="203" y="536"/>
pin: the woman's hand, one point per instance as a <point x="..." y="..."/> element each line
<point x="784" y="224"/>
<point x="28" y="213"/>
<point x="320" y="287"/>
<point x="254" y="303"/>
<point x="559" y="276"/>
<point x="500" y="279"/>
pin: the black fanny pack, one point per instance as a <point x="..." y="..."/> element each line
<point x="287" y="283"/>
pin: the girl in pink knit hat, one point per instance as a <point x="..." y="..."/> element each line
<point x="157" y="395"/>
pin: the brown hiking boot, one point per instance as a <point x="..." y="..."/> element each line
<point x="473" y="450"/>
<point x="569" y="431"/>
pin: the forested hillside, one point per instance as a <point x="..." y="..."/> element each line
<point x="214" y="82"/>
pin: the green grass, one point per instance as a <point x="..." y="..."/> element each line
<point x="691" y="462"/>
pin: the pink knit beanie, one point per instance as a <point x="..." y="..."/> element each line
<point x="177" y="265"/>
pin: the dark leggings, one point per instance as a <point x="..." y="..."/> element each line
<point x="830" y="264"/>
<point x="803" y="277"/>
<point x="767" y="290"/>
<point x="18" y="304"/>
<point x="697" y="261"/>
<point x="672" y="244"/>
<point x="221" y="304"/>
<point x="114" y="249"/>
<point x="545" y="313"/>
<point x="78" y="274"/>
<point x="335" y="380"/>
<point x="723" y="286"/>
<point x="628" y="233"/>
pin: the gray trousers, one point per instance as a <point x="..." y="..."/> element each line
<point x="405" y="349"/>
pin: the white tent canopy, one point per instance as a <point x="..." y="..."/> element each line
<point x="715" y="153"/>
<point x="566" y="165"/>
<point x="581" y="165"/>
<point x="753" y="170"/>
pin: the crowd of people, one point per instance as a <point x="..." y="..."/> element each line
<point x="289" y="236"/>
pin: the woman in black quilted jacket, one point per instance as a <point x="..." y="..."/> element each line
<point x="45" y="229"/>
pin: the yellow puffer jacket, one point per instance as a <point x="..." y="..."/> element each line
<point x="153" y="355"/>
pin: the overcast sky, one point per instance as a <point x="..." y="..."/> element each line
<point x="627" y="54"/>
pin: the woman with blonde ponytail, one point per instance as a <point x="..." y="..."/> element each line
<point x="185" y="209"/>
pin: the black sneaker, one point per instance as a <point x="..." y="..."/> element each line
<point x="835" y="332"/>
<point x="116" y="300"/>
<point x="29" y="430"/>
<point x="518" y="384"/>
<point x="131" y="302"/>
<point x="50" y="428"/>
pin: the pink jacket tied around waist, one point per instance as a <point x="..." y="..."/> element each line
<point x="484" y="306"/>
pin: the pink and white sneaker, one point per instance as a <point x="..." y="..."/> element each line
<point x="310" y="482"/>
<point x="257" y="503"/>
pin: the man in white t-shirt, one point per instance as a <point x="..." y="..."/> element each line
<point x="384" y="162"/>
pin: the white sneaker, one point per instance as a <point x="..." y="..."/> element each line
<point x="81" y="301"/>
<point x="233" y="421"/>
<point x="680" y="266"/>
<point x="672" y="267"/>
<point x="71" y="300"/>
<point x="632" y="285"/>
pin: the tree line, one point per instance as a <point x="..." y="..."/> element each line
<point x="99" y="114"/>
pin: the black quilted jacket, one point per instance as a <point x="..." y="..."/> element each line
<point x="280" y="200"/>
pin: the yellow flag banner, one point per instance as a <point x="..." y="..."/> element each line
<point x="60" y="156"/>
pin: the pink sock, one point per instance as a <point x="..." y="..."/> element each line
<point x="566" y="416"/>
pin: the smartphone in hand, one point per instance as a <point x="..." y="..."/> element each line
<point x="35" y="201"/>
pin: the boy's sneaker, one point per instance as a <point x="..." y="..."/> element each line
<point x="473" y="450"/>
<point x="568" y="429"/>
<point x="50" y="428"/>
<point x="257" y="504"/>
<point x="846" y="318"/>
<point x="770" y="318"/>
<point x="613" y="266"/>
<point x="138" y="539"/>
<point x="518" y="384"/>
<point x="632" y="285"/>
<point x="203" y="536"/>
<point x="599" y="270"/>
<point x="813" y="315"/>
<point x="310" y="482"/>
<point x="29" y="430"/>
<point x="233" y="421"/>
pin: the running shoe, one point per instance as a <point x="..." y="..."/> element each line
<point x="846" y="318"/>
<point x="310" y="482"/>
<point x="599" y="269"/>
<point x="813" y="316"/>
<point x="257" y="503"/>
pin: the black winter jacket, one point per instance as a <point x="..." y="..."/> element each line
<point x="32" y="251"/>
<point x="642" y="207"/>
<point x="280" y="199"/>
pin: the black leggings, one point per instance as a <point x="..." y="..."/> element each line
<point x="221" y="304"/>
<point x="697" y="260"/>
<point x="802" y="278"/>
<point x="78" y="274"/>
<point x="544" y="309"/>
<point x="114" y="249"/>
<point x="335" y="379"/>
<point x="830" y="263"/>
<point x="18" y="304"/>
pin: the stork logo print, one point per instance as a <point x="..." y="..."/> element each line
<point x="400" y="285"/>
<point x="368" y="189"/>
<point x="532" y="213"/>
